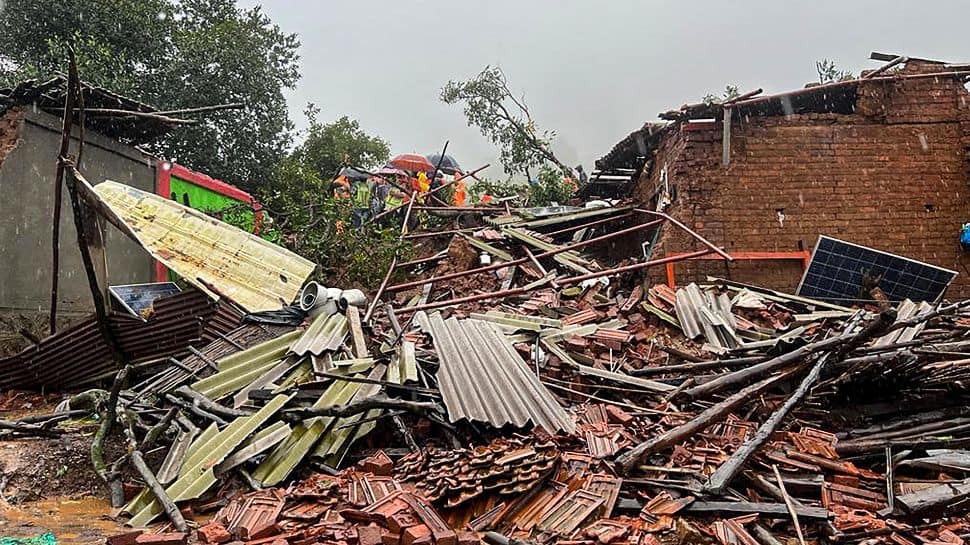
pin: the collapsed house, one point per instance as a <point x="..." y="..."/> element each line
<point x="881" y="161"/>
<point x="520" y="382"/>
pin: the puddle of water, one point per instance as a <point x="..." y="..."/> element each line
<point x="85" y="520"/>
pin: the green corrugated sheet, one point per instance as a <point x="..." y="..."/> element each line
<point x="287" y="455"/>
<point x="192" y="456"/>
<point x="199" y="475"/>
<point x="404" y="364"/>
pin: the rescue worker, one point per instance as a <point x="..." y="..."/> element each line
<point x="341" y="188"/>
<point x="361" y="196"/>
<point x="459" y="195"/>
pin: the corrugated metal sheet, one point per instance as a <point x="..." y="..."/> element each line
<point x="198" y="472"/>
<point x="906" y="310"/>
<point x="79" y="353"/>
<point x="251" y="271"/>
<point x="482" y="378"/>
<point x="223" y="345"/>
<point x="326" y="333"/>
<point x="704" y="313"/>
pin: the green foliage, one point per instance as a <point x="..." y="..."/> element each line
<point x="731" y="92"/>
<point x="171" y="54"/>
<point x="306" y="218"/>
<point x="331" y="146"/>
<point x="504" y="119"/>
<point x="551" y="187"/>
<point x="829" y="73"/>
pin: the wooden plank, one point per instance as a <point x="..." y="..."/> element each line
<point x="357" y="332"/>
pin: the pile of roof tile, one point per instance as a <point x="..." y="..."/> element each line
<point x="545" y="394"/>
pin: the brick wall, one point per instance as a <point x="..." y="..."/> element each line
<point x="893" y="176"/>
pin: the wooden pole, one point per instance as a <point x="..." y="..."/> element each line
<point x="721" y="478"/>
<point x="631" y="458"/>
<point x="66" y="123"/>
<point x="158" y="490"/>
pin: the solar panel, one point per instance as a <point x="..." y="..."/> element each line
<point x="136" y="298"/>
<point x="836" y="270"/>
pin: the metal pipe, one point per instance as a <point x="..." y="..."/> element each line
<point x="691" y="232"/>
<point x="380" y="290"/>
<point x="520" y="261"/>
<point x="441" y="233"/>
<point x="571" y="280"/>
<point x="461" y="208"/>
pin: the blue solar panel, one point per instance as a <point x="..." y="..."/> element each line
<point x="836" y="271"/>
<point x="136" y="298"/>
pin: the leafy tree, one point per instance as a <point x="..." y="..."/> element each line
<point x="332" y="146"/>
<point x="829" y="73"/>
<point x="171" y="54"/>
<point x="306" y="218"/>
<point x="503" y="119"/>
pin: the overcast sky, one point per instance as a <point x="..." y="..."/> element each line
<point x="593" y="71"/>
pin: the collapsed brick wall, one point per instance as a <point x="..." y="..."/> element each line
<point x="10" y="130"/>
<point x="892" y="176"/>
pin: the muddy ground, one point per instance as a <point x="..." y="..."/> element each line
<point x="49" y="484"/>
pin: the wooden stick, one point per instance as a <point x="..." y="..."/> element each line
<point x="716" y="413"/>
<point x="66" y="124"/>
<point x="152" y="483"/>
<point x="379" y="401"/>
<point x="721" y="478"/>
<point x="789" y="504"/>
<point x="208" y="405"/>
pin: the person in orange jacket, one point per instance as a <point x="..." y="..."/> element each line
<point x="459" y="195"/>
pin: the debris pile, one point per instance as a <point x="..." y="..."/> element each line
<point x="542" y="392"/>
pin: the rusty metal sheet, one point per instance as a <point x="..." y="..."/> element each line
<point x="79" y="353"/>
<point x="483" y="379"/>
<point x="253" y="272"/>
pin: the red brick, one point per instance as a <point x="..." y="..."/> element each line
<point x="128" y="538"/>
<point x="416" y="535"/>
<point x="399" y="521"/>
<point x="368" y="535"/>
<point x="213" y="533"/>
<point x="172" y="538"/>
<point x="378" y="464"/>
<point x="390" y="538"/>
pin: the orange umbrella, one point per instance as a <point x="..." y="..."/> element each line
<point x="412" y="162"/>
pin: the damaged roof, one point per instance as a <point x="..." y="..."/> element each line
<point x="252" y="272"/>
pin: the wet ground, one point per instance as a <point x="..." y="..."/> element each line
<point x="84" y="520"/>
<point x="48" y="484"/>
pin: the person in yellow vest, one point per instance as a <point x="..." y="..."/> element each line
<point x="361" y="202"/>
<point x="422" y="185"/>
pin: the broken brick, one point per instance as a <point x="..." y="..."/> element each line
<point x="398" y="522"/>
<point x="128" y="538"/>
<point x="390" y="538"/>
<point x="368" y="535"/>
<point x="416" y="535"/>
<point x="213" y="532"/>
<point x="172" y="538"/>
<point x="378" y="464"/>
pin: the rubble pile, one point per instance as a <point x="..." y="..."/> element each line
<point x="574" y="403"/>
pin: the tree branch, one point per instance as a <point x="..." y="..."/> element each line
<point x="379" y="401"/>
